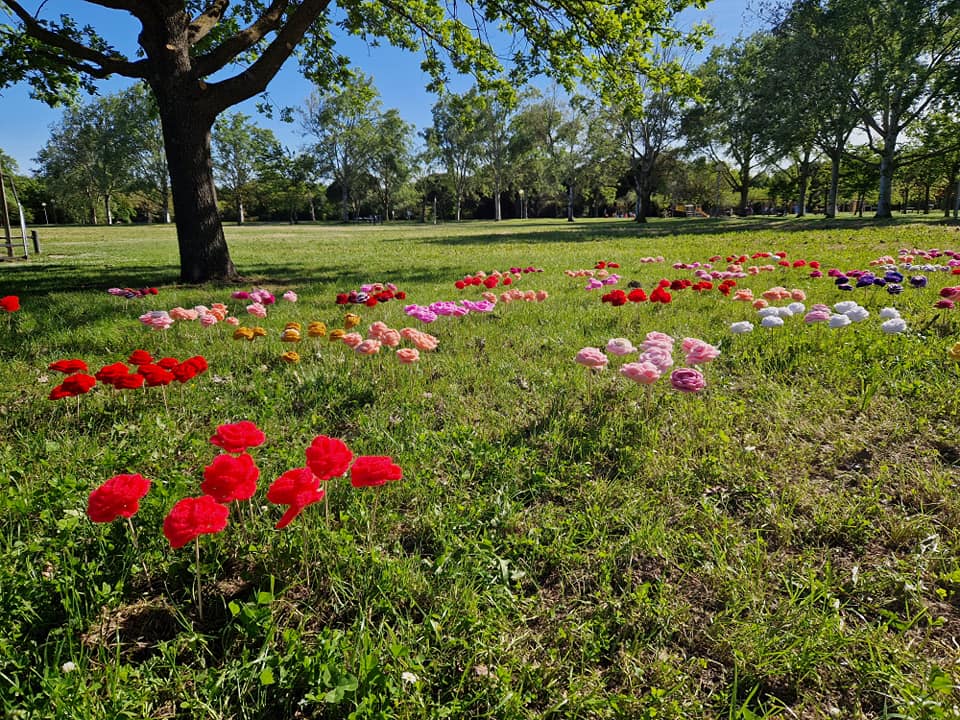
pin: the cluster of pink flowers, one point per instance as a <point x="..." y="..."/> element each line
<point x="207" y="316"/>
<point x="257" y="295"/>
<point x="380" y="335"/>
<point x="515" y="294"/>
<point x="655" y="358"/>
<point x="157" y="319"/>
<point x="447" y="308"/>
<point x="132" y="293"/>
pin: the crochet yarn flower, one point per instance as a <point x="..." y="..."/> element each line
<point x="374" y="470"/>
<point x="118" y="497"/>
<point x="238" y="437"/>
<point x="192" y="517"/>
<point x="328" y="457"/>
<point x="297" y="488"/>
<point x="230" y="478"/>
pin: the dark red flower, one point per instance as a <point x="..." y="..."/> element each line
<point x="238" y="437"/>
<point x="131" y="381"/>
<point x="637" y="295"/>
<point x="371" y="302"/>
<point x="784" y="263"/>
<point x="459" y="284"/>
<point x="328" y="457"/>
<point x="118" y="496"/>
<point x="342" y="298"/>
<point x="780" y="254"/>
<point x="155" y="375"/>
<point x="815" y="264"/>
<point x="230" y="478"/>
<point x="613" y="265"/>
<point x="615" y="298"/>
<point x="491" y="282"/>
<point x="676" y="285"/>
<point x="68" y="367"/>
<point x="508" y="280"/>
<point x="400" y="295"/>
<point x="140" y="357"/>
<point x="373" y="470"/>
<point x="168" y="363"/>
<point x="184" y="372"/>
<point x="109" y="373"/>
<point x="296" y="488"/>
<point x="799" y="263"/>
<point x="10" y="303"/>
<point x="199" y="362"/>
<point x="192" y="517"/>
<point x="660" y="295"/>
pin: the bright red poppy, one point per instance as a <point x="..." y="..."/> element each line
<point x="73" y="385"/>
<point x="155" y="375"/>
<point x="328" y="457"/>
<point x="68" y="367"/>
<point x="184" y="372"/>
<point x="296" y="488"/>
<point x="637" y="295"/>
<point x="140" y="357"/>
<point x="109" y="373"/>
<point x="230" y="478"/>
<point x="238" y="437"/>
<point x="192" y="517"/>
<point x="130" y="381"/>
<point x="373" y="470"/>
<point x="168" y="363"/>
<point x="199" y="363"/>
<point x="10" y="303"/>
<point x="118" y="497"/>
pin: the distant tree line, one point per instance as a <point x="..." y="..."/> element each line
<point x="839" y="105"/>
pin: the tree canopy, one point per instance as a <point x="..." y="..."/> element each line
<point x="200" y="58"/>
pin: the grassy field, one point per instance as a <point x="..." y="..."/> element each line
<point x="564" y="543"/>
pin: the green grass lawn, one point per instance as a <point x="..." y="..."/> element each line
<point x="564" y="543"/>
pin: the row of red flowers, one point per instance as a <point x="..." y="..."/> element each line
<point x="149" y="372"/>
<point x="233" y="476"/>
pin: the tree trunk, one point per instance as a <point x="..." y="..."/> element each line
<point x="240" y="213"/>
<point x="926" y="199"/>
<point x="803" y="182"/>
<point x="497" y="214"/>
<point x="644" y="198"/>
<point x="570" y="202"/>
<point x="831" y="210"/>
<point x="344" y="203"/>
<point x="887" y="167"/>
<point x="107" y="209"/>
<point x="313" y="211"/>
<point x="186" y="133"/>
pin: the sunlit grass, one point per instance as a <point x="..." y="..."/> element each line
<point x="563" y="544"/>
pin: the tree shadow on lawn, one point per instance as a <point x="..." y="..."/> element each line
<point x="38" y="280"/>
<point x="594" y="230"/>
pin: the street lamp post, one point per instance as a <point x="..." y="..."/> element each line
<point x="46" y="218"/>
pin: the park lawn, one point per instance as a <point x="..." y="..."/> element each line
<point x="564" y="543"/>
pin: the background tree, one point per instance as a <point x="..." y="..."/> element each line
<point x="344" y="122"/>
<point x="456" y="139"/>
<point x="495" y="112"/>
<point x="731" y="123"/>
<point x="188" y="50"/>
<point x="906" y="51"/>
<point x="391" y="164"/>
<point x="239" y="148"/>
<point x="151" y="172"/>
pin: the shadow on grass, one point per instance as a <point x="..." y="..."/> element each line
<point x="591" y="230"/>
<point x="33" y="280"/>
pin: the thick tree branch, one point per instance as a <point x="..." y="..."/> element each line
<point x="254" y="79"/>
<point x="230" y="48"/>
<point x="106" y="65"/>
<point x="131" y="6"/>
<point x="207" y="21"/>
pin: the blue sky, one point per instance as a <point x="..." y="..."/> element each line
<point x="25" y="123"/>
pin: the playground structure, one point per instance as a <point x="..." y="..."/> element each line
<point x="8" y="237"/>
<point x="689" y="210"/>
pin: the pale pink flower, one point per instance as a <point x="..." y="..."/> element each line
<point x="506" y="297"/>
<point x="179" y="313"/>
<point x="408" y="356"/>
<point x="390" y="338"/>
<point x="620" y="346"/>
<point x="289" y="296"/>
<point x="658" y="356"/>
<point x="231" y="320"/>
<point x="743" y="295"/>
<point x="760" y="303"/>
<point x="656" y="339"/>
<point x="489" y="297"/>
<point x="798" y="295"/>
<point x="377" y="330"/>
<point x="542" y="295"/>
<point x="257" y="310"/>
<point x="352" y="339"/>
<point x="530" y="296"/>
<point x="592" y="358"/>
<point x="641" y="372"/>
<point x="368" y="347"/>
<point x="699" y="352"/>
<point x="208" y="319"/>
